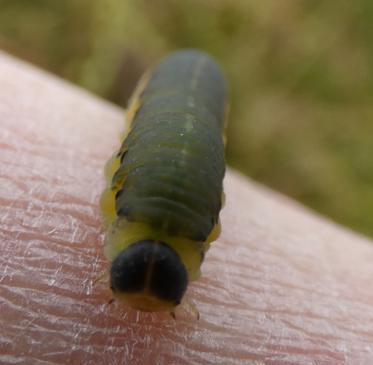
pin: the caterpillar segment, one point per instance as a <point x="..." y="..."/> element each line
<point x="165" y="185"/>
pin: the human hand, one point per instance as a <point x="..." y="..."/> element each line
<point x="280" y="286"/>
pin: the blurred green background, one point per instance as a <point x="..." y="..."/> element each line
<point x="300" y="73"/>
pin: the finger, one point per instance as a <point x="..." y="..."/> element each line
<point x="279" y="287"/>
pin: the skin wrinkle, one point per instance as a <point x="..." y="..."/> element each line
<point x="280" y="286"/>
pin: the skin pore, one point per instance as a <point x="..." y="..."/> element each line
<point x="280" y="286"/>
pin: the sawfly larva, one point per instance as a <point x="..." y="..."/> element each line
<point x="165" y="185"/>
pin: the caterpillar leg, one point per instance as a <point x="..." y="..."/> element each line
<point x="103" y="278"/>
<point x="186" y="309"/>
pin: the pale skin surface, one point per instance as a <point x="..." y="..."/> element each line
<point x="280" y="286"/>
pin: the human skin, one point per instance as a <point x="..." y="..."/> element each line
<point x="280" y="286"/>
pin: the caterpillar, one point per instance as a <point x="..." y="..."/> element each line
<point x="165" y="185"/>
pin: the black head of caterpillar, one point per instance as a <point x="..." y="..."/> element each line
<point x="149" y="275"/>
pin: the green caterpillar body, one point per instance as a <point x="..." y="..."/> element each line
<point x="166" y="182"/>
